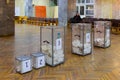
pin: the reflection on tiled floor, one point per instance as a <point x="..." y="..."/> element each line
<point x="103" y="64"/>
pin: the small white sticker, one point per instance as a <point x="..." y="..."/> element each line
<point x="107" y="33"/>
<point x="26" y="66"/>
<point x="40" y="61"/>
<point x="87" y="37"/>
<point x="59" y="44"/>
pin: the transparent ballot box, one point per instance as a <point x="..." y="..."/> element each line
<point x="82" y="38"/>
<point x="38" y="60"/>
<point x="52" y="44"/>
<point x="23" y="64"/>
<point x="102" y="33"/>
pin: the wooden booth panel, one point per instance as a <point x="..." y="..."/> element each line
<point x="40" y="11"/>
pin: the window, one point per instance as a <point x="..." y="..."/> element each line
<point x="77" y="8"/>
<point x="89" y="1"/>
<point x="81" y="10"/>
<point x="85" y="8"/>
<point x="89" y="10"/>
<point x="80" y="1"/>
<point x="89" y="6"/>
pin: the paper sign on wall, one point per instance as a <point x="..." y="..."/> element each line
<point x="59" y="43"/>
<point x="87" y="37"/>
<point x="40" y="11"/>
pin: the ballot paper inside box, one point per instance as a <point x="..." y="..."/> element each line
<point x="52" y="44"/>
<point x="81" y="38"/>
<point x="23" y="64"/>
<point x="38" y="60"/>
<point x="102" y="33"/>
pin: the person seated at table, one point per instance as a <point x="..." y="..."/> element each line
<point x="76" y="18"/>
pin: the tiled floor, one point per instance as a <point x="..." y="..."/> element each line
<point x="103" y="64"/>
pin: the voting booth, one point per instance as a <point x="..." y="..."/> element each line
<point x="52" y="44"/>
<point x="81" y="38"/>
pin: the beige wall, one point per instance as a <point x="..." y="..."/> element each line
<point x="71" y="8"/>
<point x="116" y="9"/>
<point x="21" y="5"/>
<point x="107" y="9"/>
<point x="52" y="11"/>
<point x="41" y="2"/>
<point x="56" y="12"/>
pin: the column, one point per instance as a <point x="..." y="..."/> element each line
<point x="62" y="12"/>
<point x="7" y="17"/>
<point x="28" y="8"/>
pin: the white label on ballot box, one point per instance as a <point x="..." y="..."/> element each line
<point x="59" y="44"/>
<point x="107" y="33"/>
<point x="87" y="37"/>
<point x="41" y="61"/>
<point x="26" y="66"/>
